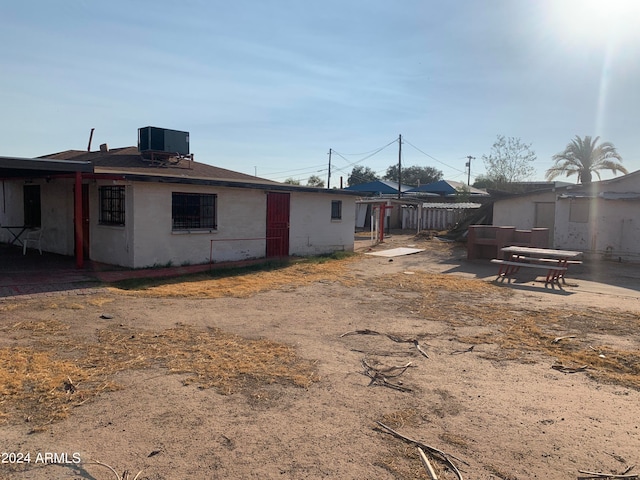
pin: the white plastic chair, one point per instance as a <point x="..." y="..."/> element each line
<point x="33" y="236"/>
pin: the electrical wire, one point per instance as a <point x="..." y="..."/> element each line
<point x="297" y="169"/>
<point x="434" y="158"/>
<point x="374" y="152"/>
<point x="301" y="174"/>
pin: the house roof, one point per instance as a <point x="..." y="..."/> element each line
<point x="129" y="160"/>
<point x="129" y="163"/>
<point x="379" y="187"/>
<point x="448" y="187"/>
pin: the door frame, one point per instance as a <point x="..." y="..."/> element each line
<point x="278" y="224"/>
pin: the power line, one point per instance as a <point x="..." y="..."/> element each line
<point x="301" y="174"/>
<point x="373" y="152"/>
<point x="433" y="158"/>
<point x="297" y="169"/>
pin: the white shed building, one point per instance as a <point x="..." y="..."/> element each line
<point x="601" y="219"/>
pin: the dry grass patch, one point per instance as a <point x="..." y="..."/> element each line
<point x="41" y="383"/>
<point x="37" y="326"/>
<point x="245" y="283"/>
<point x="521" y="331"/>
<point x="35" y="385"/>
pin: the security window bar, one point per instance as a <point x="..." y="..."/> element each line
<point x="336" y="209"/>
<point x="192" y="211"/>
<point x="112" y="205"/>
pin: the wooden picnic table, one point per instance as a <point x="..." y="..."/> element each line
<point x="555" y="262"/>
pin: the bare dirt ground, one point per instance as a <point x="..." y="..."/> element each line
<point x="254" y="377"/>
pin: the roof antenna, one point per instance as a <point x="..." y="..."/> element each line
<point x="90" y="138"/>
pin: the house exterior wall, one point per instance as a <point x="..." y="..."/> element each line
<point x="12" y="207"/>
<point x="147" y="238"/>
<point x="519" y="212"/>
<point x="313" y="231"/>
<point x="56" y="207"/>
<point x="241" y="214"/>
<point x="111" y="244"/>
<point x="611" y="231"/>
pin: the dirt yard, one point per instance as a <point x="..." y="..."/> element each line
<point x="286" y="373"/>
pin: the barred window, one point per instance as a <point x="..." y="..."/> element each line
<point x="190" y="211"/>
<point x="336" y="209"/>
<point x="112" y="205"/>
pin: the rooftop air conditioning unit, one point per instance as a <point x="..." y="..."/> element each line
<point x="153" y="139"/>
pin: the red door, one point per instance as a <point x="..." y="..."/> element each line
<point x="277" y="224"/>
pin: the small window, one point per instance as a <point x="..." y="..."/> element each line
<point x="112" y="205"/>
<point x="579" y="211"/>
<point x="192" y="211"/>
<point x="336" y="209"/>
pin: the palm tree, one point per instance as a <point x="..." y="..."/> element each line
<point x="584" y="157"/>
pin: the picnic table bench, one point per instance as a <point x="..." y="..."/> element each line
<point x="555" y="262"/>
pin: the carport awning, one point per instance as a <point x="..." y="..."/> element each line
<point x="16" y="167"/>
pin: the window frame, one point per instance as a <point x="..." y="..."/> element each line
<point x="194" y="211"/>
<point x="336" y="210"/>
<point x="580" y="210"/>
<point x="112" y="205"/>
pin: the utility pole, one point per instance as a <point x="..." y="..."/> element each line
<point x="468" y="165"/>
<point x="329" y="175"/>
<point x="399" y="166"/>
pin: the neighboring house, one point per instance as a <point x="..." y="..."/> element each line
<point x="378" y="188"/>
<point x="448" y="188"/>
<point x="601" y="219"/>
<point x="435" y="217"/>
<point x="124" y="208"/>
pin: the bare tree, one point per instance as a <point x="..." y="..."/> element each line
<point x="510" y="161"/>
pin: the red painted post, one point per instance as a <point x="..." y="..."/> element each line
<point x="77" y="208"/>
<point x="383" y="213"/>
<point x="381" y="223"/>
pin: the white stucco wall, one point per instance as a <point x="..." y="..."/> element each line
<point x="612" y="231"/>
<point x="519" y="212"/>
<point x="111" y="243"/>
<point x="241" y="214"/>
<point x="147" y="238"/>
<point x="12" y="212"/>
<point x="312" y="230"/>
<point x="56" y="200"/>
<point x="56" y="207"/>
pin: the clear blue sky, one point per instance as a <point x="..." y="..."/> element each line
<point x="271" y="86"/>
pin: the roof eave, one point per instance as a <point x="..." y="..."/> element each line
<point x="138" y="177"/>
